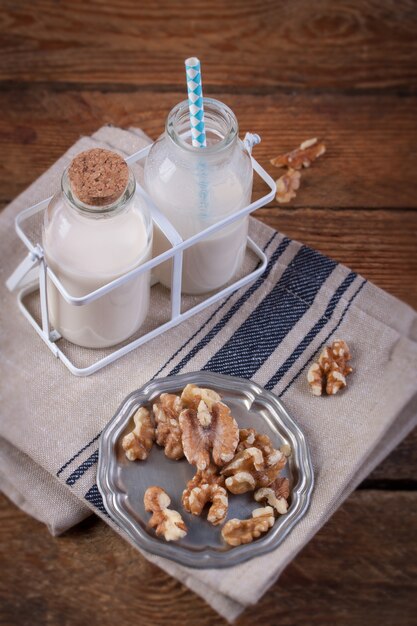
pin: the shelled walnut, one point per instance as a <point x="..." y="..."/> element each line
<point x="138" y="443"/>
<point x="294" y="161"/>
<point x="276" y="495"/>
<point x="256" y="463"/>
<point x="236" y="531"/>
<point x="206" y="486"/>
<point x="167" y="522"/>
<point x="329" y="373"/>
<point x="287" y="185"/>
<point x="249" y="437"/>
<point x="309" y="151"/>
<point x="168" y="432"/>
<point x="193" y="395"/>
<point x="208" y="434"/>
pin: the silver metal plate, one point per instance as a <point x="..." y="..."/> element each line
<point x="122" y="483"/>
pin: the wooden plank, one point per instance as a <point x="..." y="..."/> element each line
<point x="371" y="140"/>
<point x="264" y="45"/>
<point x="348" y="574"/>
<point x="38" y="126"/>
<point x="379" y="244"/>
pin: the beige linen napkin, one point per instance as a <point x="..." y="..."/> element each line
<point x="269" y="331"/>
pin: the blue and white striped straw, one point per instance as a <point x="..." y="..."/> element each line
<point x="195" y="102"/>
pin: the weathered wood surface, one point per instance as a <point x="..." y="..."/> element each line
<point x="260" y="45"/>
<point x="328" y="212"/>
<point x="346" y="72"/>
<point x="361" y="568"/>
<point x="371" y="140"/>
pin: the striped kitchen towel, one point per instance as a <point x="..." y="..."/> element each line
<point x="269" y="331"/>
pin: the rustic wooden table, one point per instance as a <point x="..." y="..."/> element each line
<point x="344" y="71"/>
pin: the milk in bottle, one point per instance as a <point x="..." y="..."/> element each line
<point x="95" y="230"/>
<point x="196" y="188"/>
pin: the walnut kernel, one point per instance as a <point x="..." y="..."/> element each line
<point x="167" y="522"/>
<point x="208" y="434"/>
<point x="236" y="531"/>
<point x="138" y="443"/>
<point x="303" y="156"/>
<point x="206" y="486"/>
<point x="329" y="373"/>
<point x="287" y="185"/>
<point x="193" y="395"/>
<point x="256" y="463"/>
<point x="168" y="432"/>
<point x="276" y="495"/>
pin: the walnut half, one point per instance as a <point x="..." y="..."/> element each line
<point x="167" y="523"/>
<point x="329" y="373"/>
<point x="206" y="486"/>
<point x="237" y="531"/>
<point x="138" y="443"/>
<point x="256" y="463"/>
<point x="309" y="151"/>
<point x="276" y="495"/>
<point x="168" y="432"/>
<point x="209" y="433"/>
<point x="287" y="185"/>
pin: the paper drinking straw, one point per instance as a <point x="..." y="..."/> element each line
<point x="195" y="102"/>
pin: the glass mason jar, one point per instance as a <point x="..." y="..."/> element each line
<point x="87" y="247"/>
<point x="196" y="187"/>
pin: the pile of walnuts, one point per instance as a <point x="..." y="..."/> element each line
<point x="197" y="425"/>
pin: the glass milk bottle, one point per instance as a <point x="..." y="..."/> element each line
<point x="95" y="230"/>
<point x="196" y="187"/>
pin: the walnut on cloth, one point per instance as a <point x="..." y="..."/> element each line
<point x="303" y="156"/>
<point x="206" y="486"/>
<point x="329" y="373"/>
<point x="256" y="463"/>
<point x="168" y="432"/>
<point x="138" y="443"/>
<point x="237" y="531"/>
<point x="167" y="522"/>
<point x="209" y="433"/>
<point x="276" y="495"/>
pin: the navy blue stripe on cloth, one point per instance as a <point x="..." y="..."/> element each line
<point x="234" y="309"/>
<point x="81" y="470"/>
<point x="266" y="246"/>
<point x="342" y="317"/>
<point x="87" y="445"/>
<point x="318" y="326"/>
<point x="218" y="309"/>
<point x="94" y="497"/>
<point x="265" y="328"/>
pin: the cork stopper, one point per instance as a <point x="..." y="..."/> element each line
<point x="98" y="177"/>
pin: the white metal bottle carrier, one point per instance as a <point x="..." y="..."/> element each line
<point x="31" y="274"/>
